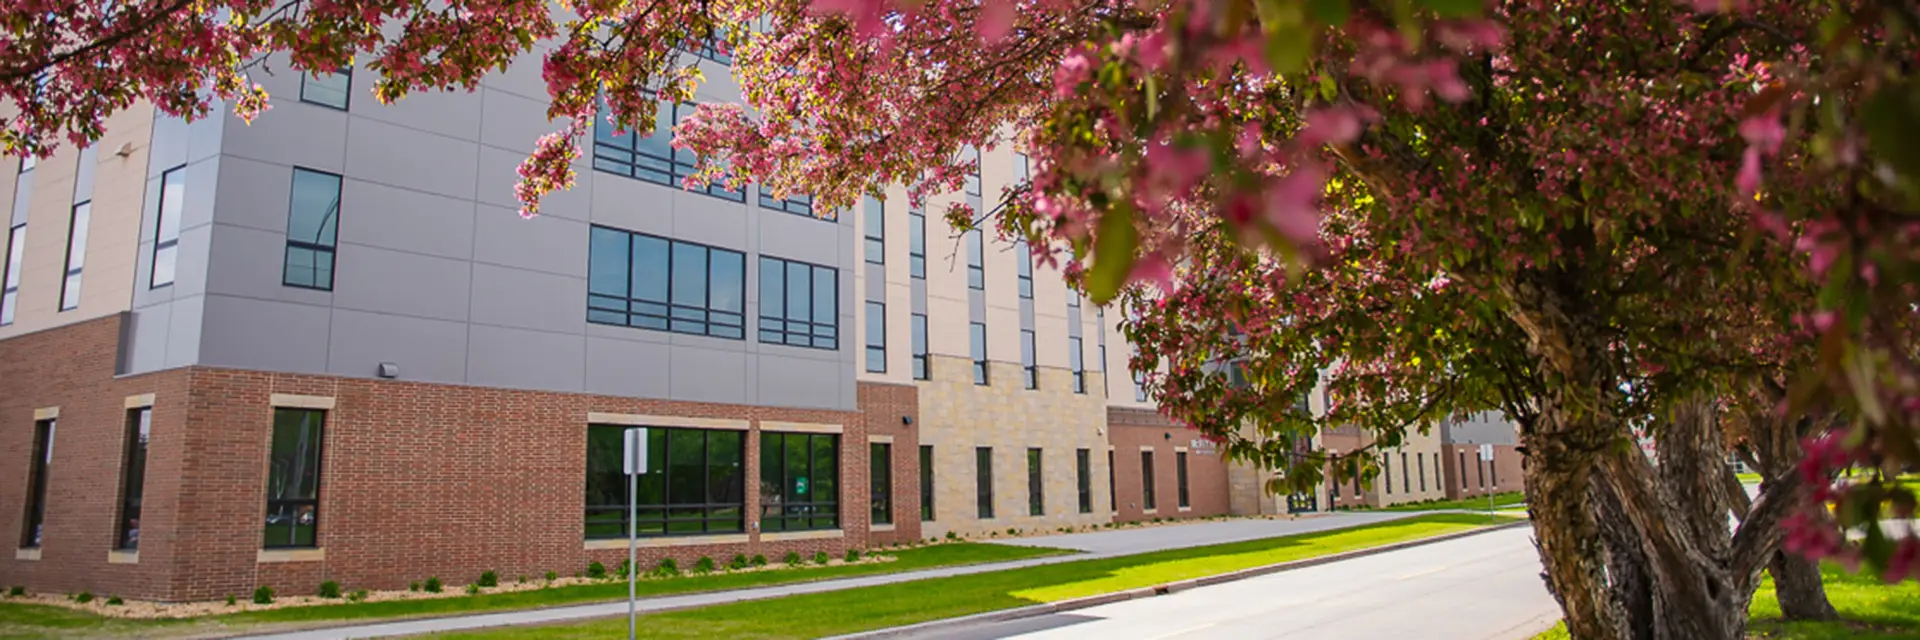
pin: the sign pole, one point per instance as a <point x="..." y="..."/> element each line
<point x="1486" y="453"/>
<point x="634" y="464"/>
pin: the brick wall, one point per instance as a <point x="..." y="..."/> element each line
<point x="1129" y="430"/>
<point x="883" y="406"/>
<point x="1477" y="477"/>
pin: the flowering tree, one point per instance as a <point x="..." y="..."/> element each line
<point x="1449" y="203"/>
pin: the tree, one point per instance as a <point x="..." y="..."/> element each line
<point x="1545" y="177"/>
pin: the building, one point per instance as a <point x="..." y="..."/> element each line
<point x="1410" y="472"/>
<point x="1460" y="442"/>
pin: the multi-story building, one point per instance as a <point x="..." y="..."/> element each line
<point x="1467" y="475"/>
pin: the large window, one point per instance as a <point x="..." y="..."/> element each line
<point x="313" y="223"/>
<point x="926" y="483"/>
<point x="76" y="255"/>
<point x="650" y="155"/>
<point x="133" y="477"/>
<point x="876" y="229"/>
<point x="1036" y="484"/>
<point x="920" y="364"/>
<point x="1146" y="480"/>
<point x="293" y="478"/>
<point x="10" y="295"/>
<point x="1023" y="257"/>
<point x="713" y="47"/>
<point x="978" y="336"/>
<point x="917" y="242"/>
<point x="1029" y="370"/>
<point x="695" y="483"/>
<point x="880" y="481"/>
<point x="799" y="486"/>
<point x="1077" y="360"/>
<point x="1083" y="478"/>
<point x="876" y="337"/>
<point x="643" y="281"/>
<point x="976" y="259"/>
<point x="798" y="204"/>
<point x="799" y="304"/>
<point x="983" y="481"/>
<point x="328" y="89"/>
<point x="1180" y="477"/>
<point x="33" y="527"/>
<point x="166" y="237"/>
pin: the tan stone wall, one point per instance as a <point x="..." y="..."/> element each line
<point x="956" y="416"/>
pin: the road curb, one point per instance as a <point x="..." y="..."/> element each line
<point x="1162" y="589"/>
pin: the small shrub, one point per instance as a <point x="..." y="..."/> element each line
<point x="1013" y="532"/>
<point x="853" y="555"/>
<point x="551" y="576"/>
<point x="432" y="585"/>
<point x="793" y="558"/>
<point x="820" y="557"/>
<point x="596" y="570"/>
<point x="758" y="560"/>
<point x="473" y="589"/>
<point x="523" y="580"/>
<point x="625" y="568"/>
<point x="263" y="595"/>
<point x="84" y="597"/>
<point x="413" y="586"/>
<point x="329" y="589"/>
<point x="491" y="579"/>
<point x="739" y="562"/>
<point x="358" y="595"/>
<point x="703" y="565"/>
<point x="16" y="591"/>
<point x="114" y="601"/>
<point x="952" y="536"/>
<point x="667" y="568"/>
<point x="230" y="600"/>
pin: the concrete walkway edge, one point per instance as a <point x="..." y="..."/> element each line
<point x="1162" y="589"/>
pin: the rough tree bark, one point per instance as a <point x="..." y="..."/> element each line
<point x="1774" y="447"/>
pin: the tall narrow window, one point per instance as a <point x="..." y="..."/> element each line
<point x="76" y="255"/>
<point x="917" y="242"/>
<point x="1386" y="467"/>
<point x="811" y="296"/>
<point x="1083" y="478"/>
<point x="1073" y="299"/>
<point x="1439" y="473"/>
<point x="1036" y="484"/>
<point x="32" y="530"/>
<point x="1406" y="481"/>
<point x="1113" y="493"/>
<point x="920" y="364"/>
<point x="695" y="483"/>
<point x="1335" y="482"/>
<point x="1139" y="386"/>
<point x="293" y="478"/>
<point x="875" y="211"/>
<point x="880" y="481"/>
<point x="971" y="156"/>
<point x="1464" y="484"/>
<point x="1180" y="477"/>
<point x="313" y="224"/>
<point x="643" y="281"/>
<point x="926" y="483"/>
<point x="1078" y="363"/>
<point x="1480" y="469"/>
<point x="876" y="337"/>
<point x="166" y="237"/>
<point x="798" y="481"/>
<point x="1420" y="459"/>
<point x="1100" y="320"/>
<point x="1021" y="170"/>
<point x="1146" y="480"/>
<point x="978" y="335"/>
<point x="10" y="296"/>
<point x="328" y="89"/>
<point x="133" y="477"/>
<point x="983" y="481"/>
<point x="1029" y="370"/>
<point x="1023" y="257"/>
<point x="976" y="258"/>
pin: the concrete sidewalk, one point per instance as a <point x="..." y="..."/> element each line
<point x="1099" y="544"/>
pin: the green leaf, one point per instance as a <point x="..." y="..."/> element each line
<point x="1892" y="122"/>
<point x="1287" y="50"/>
<point x="1112" y="253"/>
<point x="1328" y="90"/>
<point x="1455" y="8"/>
<point x="1329" y="12"/>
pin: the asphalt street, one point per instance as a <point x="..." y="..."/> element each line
<point x="1485" y="586"/>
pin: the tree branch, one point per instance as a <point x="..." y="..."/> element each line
<point x="1760" y="533"/>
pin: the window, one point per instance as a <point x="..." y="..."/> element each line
<point x="880" y="481"/>
<point x="713" y="47"/>
<point x="799" y="475"/>
<point x="1421" y="460"/>
<point x="1078" y="363"/>
<point x="799" y="304"/>
<point x="1386" y="467"/>
<point x="313" y="222"/>
<point x="1146" y="480"/>
<point x="1073" y="299"/>
<point x="1334" y="480"/>
<point x="76" y="255"/>
<point x="133" y="477"/>
<point x="1024" y="268"/>
<point x="917" y="242"/>
<point x="796" y="204"/>
<point x="1439" y="471"/>
<point x="979" y="346"/>
<point x="328" y="89"/>
<point x="166" y="237"/>
<point x="1113" y="495"/>
<point x="694" y="484"/>
<point x="1463" y="471"/>
<point x="971" y="155"/>
<point x="976" y="256"/>
<point x="1029" y="370"/>
<point x="1406" y="481"/>
<point x="1036" y="486"/>
<point x="983" y="481"/>
<point x="920" y="369"/>
<point x="33" y="528"/>
<point x="10" y="295"/>
<point x="637" y="280"/>
<point x="1180" y="476"/>
<point x="293" y="478"/>
<point x="1021" y="171"/>
<point x="1139" y="386"/>
<point x="876" y="224"/>
<point x="876" y="337"/>
<point x="1481" y="469"/>
<point x="1083" y="478"/>
<point x="650" y="156"/>
<point x="926" y="483"/>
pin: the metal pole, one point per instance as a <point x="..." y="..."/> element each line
<point x="633" y="536"/>
<point x="1490" y="490"/>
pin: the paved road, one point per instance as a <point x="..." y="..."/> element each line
<point x="1485" y="586"/>
<point x="1181" y="536"/>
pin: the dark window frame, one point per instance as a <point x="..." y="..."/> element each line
<point x="1113" y="484"/>
<point x="346" y="92"/>
<point x="160" y="241"/>
<point x="78" y="224"/>
<point x="798" y="204"/>
<point x="1180" y="478"/>
<point x="133" y="475"/>
<point x="667" y="513"/>
<point x="315" y="247"/>
<point x="1036" y="482"/>
<point x="786" y="512"/>
<point x="10" y="273"/>
<point x="1148" y="500"/>
<point x="1083" y="478"/>
<point x="977" y="338"/>
<point x="709" y="47"/>
<point x="39" y="467"/>
<point x="621" y="153"/>
<point x="876" y="320"/>
<point x="1024" y="269"/>
<point x="1076" y="348"/>
<point x="922" y="363"/>
<point x="279" y="505"/>
<point x="875" y="231"/>
<point x="880" y="481"/>
<point x="811" y="328"/>
<point x="976" y="258"/>
<point x="1029" y="365"/>
<point x="665" y="314"/>
<point x="917" y="243"/>
<point x="927" y="511"/>
<point x="983" y="482"/>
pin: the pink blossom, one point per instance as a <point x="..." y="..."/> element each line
<point x="1748" y="180"/>
<point x="1905" y="562"/>
<point x="1331" y="125"/>
<point x="1075" y="69"/>
<point x="1152" y="268"/>
<point x="996" y="19"/>
<point x="1293" y="201"/>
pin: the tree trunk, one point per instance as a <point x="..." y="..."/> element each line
<point x="1626" y="563"/>
<point x="1694" y="596"/>
<point x="1797" y="584"/>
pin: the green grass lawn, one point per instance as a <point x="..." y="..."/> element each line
<point x="1477" y="503"/>
<point x="1873" y="610"/>
<point x="34" y="621"/>
<point x="866" y="608"/>
<point x="1748" y="478"/>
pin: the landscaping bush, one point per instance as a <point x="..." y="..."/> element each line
<point x="473" y="589"/>
<point x="329" y="589"/>
<point x="522" y="580"/>
<point x="230" y="600"/>
<point x="263" y="595"/>
<point x="820" y="557"/>
<point x="413" y="586"/>
<point x="703" y="565"/>
<point x="432" y="585"/>
<point x="739" y="562"/>
<point x="667" y="568"/>
<point x="84" y="597"/>
<point x="853" y="555"/>
<point x="793" y="558"/>
<point x="16" y="591"/>
<point x="491" y="579"/>
<point x="357" y="595"/>
<point x="596" y="570"/>
<point x="551" y="576"/>
<point x="625" y="567"/>
<point x="114" y="601"/>
<point x="759" y="560"/>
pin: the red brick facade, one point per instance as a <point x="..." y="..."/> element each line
<point x="417" y="479"/>
<point x="1132" y="431"/>
<point x="1476" y="478"/>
